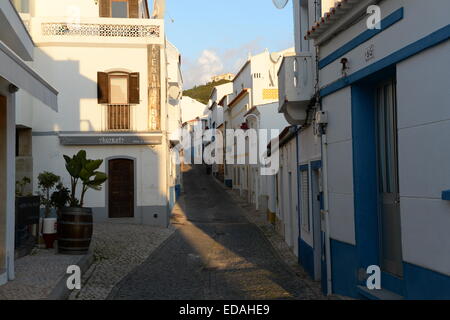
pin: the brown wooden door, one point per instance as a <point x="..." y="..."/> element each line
<point x="121" y="188"/>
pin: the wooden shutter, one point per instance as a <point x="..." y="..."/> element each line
<point x="102" y="88"/>
<point x="133" y="8"/>
<point x="133" y="88"/>
<point x="105" y="8"/>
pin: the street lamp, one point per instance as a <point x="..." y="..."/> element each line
<point x="280" y="4"/>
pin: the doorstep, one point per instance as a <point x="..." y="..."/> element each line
<point x="42" y="275"/>
<point x="381" y="294"/>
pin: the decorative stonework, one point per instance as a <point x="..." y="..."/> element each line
<point x="100" y="30"/>
<point x="154" y="86"/>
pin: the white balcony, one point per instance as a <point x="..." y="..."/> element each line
<point x="13" y="32"/>
<point x="296" y="87"/>
<point x="105" y="31"/>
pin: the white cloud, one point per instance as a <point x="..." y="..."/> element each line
<point x="200" y="72"/>
<point x="213" y="62"/>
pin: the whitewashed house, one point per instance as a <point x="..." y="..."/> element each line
<point x="216" y="115"/>
<point x="191" y="109"/>
<point x="114" y="69"/>
<point x="193" y="150"/>
<point x="174" y="122"/>
<point x="282" y="189"/>
<point x="382" y="117"/>
<point x="193" y="115"/>
<point x="17" y="75"/>
<point x="253" y="105"/>
<point x="302" y="224"/>
<point x="387" y="98"/>
<point x="228" y="168"/>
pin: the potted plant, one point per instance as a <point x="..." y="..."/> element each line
<point x="27" y="214"/>
<point x="47" y="183"/>
<point x="76" y="220"/>
<point x="60" y="198"/>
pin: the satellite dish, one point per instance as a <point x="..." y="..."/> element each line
<point x="174" y="92"/>
<point x="280" y="4"/>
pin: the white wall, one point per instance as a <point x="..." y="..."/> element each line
<point x="340" y="166"/>
<point x="191" y="109"/>
<point x="73" y="72"/>
<point x="423" y="131"/>
<point x="424" y="137"/>
<point x="288" y="212"/>
<point x="63" y="8"/>
<point x="270" y="118"/>
<point x="402" y="33"/>
<point x="150" y="167"/>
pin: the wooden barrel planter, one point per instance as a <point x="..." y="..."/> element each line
<point x="75" y="231"/>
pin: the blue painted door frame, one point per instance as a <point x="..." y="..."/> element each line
<point x="304" y="249"/>
<point x="365" y="177"/>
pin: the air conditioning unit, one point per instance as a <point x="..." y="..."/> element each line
<point x="296" y="87"/>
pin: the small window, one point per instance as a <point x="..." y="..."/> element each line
<point x="118" y="89"/>
<point x="118" y="109"/>
<point x="304" y="199"/>
<point x="119" y="8"/>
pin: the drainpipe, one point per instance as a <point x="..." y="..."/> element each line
<point x="325" y="211"/>
<point x="322" y="127"/>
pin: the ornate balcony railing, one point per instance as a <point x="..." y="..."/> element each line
<point x="97" y="30"/>
<point x="100" y="30"/>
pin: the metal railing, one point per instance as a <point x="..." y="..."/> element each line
<point x="119" y="117"/>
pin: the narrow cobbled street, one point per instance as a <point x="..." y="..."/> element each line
<point x="216" y="253"/>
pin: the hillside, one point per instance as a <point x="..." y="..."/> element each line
<point x="202" y="93"/>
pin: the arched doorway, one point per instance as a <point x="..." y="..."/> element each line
<point x="121" y="188"/>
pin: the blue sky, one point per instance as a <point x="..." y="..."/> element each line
<point x="216" y="36"/>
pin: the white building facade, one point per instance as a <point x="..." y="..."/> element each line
<point x="118" y="78"/>
<point x="252" y="105"/>
<point x="382" y="117"/>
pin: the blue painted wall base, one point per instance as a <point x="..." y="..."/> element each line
<point x="306" y="257"/>
<point x="418" y="283"/>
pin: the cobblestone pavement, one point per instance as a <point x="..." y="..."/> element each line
<point x="37" y="275"/>
<point x="216" y="253"/>
<point x="118" y="248"/>
<point x="285" y="253"/>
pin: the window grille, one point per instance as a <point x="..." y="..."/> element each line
<point x="304" y="199"/>
<point x="119" y="117"/>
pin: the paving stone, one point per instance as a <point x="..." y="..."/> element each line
<point x="118" y="248"/>
<point x="37" y="275"/>
<point x="217" y="252"/>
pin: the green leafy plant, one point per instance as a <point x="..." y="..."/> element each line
<point x="47" y="182"/>
<point x="60" y="198"/>
<point x="81" y="168"/>
<point x="20" y="186"/>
